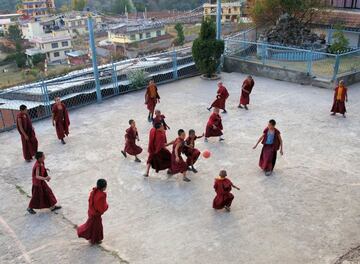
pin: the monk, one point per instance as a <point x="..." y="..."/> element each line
<point x="60" y="119"/>
<point x="221" y="97"/>
<point x="27" y="132"/>
<point x="159" y="156"/>
<point x="340" y="97"/>
<point x="190" y="151"/>
<point x="214" y="126"/>
<point x="151" y="99"/>
<point x="246" y="89"/>
<point x="178" y="165"/>
<point x="130" y="141"/>
<point x="224" y="197"/>
<point x="92" y="230"/>
<point x="160" y="118"/>
<point x="272" y="142"/>
<point x="42" y="196"/>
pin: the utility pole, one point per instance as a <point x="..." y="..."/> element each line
<point x="218" y="20"/>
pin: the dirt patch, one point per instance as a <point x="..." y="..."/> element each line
<point x="351" y="257"/>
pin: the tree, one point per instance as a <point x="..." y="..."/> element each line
<point x="265" y="12"/>
<point x="14" y="34"/>
<point x="207" y="50"/>
<point x="118" y="6"/>
<point x="78" y="5"/>
<point x="20" y="59"/>
<point x="180" y="34"/>
<point x="38" y="58"/>
<point x="340" y="42"/>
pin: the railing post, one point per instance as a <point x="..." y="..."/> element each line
<point x="46" y="98"/>
<point x="94" y="60"/>
<point x="309" y="62"/>
<point x="336" y="67"/>
<point x="115" y="79"/>
<point x="218" y="19"/>
<point x="175" y="67"/>
<point x="263" y="53"/>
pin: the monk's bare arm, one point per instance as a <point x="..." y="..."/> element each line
<point x="37" y="174"/>
<point x="177" y="151"/>
<point x="260" y="139"/>
<point x="53" y="119"/>
<point x="170" y="143"/>
<point x="281" y="145"/>
<point x="234" y="186"/>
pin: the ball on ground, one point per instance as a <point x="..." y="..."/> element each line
<point x="206" y="154"/>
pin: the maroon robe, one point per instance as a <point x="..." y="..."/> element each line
<point x="93" y="229"/>
<point x="248" y="86"/>
<point x="30" y="146"/>
<point x="181" y="166"/>
<point x="223" y="197"/>
<point x="191" y="153"/>
<point x="151" y="97"/>
<point x="42" y="195"/>
<point x="214" y="119"/>
<point x="130" y="146"/>
<point x="339" y="105"/>
<point x="222" y="95"/>
<point x="159" y="156"/>
<point x="62" y="121"/>
<point x="269" y="152"/>
<point x="160" y="120"/>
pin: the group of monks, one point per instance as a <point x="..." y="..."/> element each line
<point x="159" y="157"/>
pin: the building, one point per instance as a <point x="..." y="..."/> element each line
<point x="230" y="12"/>
<point x="76" y="23"/>
<point x="351" y="4"/>
<point x="36" y="8"/>
<point x="6" y="21"/>
<point x="78" y="57"/>
<point x="55" y="46"/>
<point x="132" y="33"/>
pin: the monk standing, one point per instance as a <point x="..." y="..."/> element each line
<point x="151" y="99"/>
<point x="160" y="118"/>
<point x="340" y="97"/>
<point x="221" y="97"/>
<point x="130" y="141"/>
<point x="246" y="89"/>
<point x="214" y="126"/>
<point x="224" y="197"/>
<point x="159" y="156"/>
<point x="27" y="132"/>
<point x="60" y="119"/>
<point x="272" y="142"/>
<point x="92" y="230"/>
<point x="178" y="165"/>
<point x="190" y="151"/>
<point x="42" y="196"/>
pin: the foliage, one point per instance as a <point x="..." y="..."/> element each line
<point x="14" y="34"/>
<point x="20" y="59"/>
<point x="340" y="42"/>
<point x="118" y="6"/>
<point x="207" y="50"/>
<point x="78" y="5"/>
<point x="180" y="39"/>
<point x="38" y="58"/>
<point x="137" y="78"/>
<point x="264" y="12"/>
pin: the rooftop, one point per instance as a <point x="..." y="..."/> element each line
<point x="345" y="17"/>
<point x="307" y="212"/>
<point x="47" y="38"/>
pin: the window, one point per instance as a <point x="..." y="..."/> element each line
<point x="64" y="43"/>
<point x="56" y="54"/>
<point x="54" y="45"/>
<point x="158" y="33"/>
<point x="132" y="37"/>
<point x="148" y="35"/>
<point x="141" y="35"/>
<point x="227" y="17"/>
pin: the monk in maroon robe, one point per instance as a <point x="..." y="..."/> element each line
<point x="190" y="151"/>
<point x="151" y="99"/>
<point x="214" y="126"/>
<point x="178" y="165"/>
<point x="221" y="97"/>
<point x="92" y="230"/>
<point x="224" y="197"/>
<point x="27" y="132"/>
<point x="159" y="156"/>
<point x="246" y="89"/>
<point x="340" y="97"/>
<point x="272" y="142"/>
<point x="160" y="118"/>
<point x="42" y="196"/>
<point x="60" y="119"/>
<point x="130" y="141"/>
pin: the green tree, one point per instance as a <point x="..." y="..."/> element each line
<point x="118" y="6"/>
<point x="180" y="40"/>
<point x="207" y="50"/>
<point x="38" y="58"/>
<point x="14" y="34"/>
<point x="78" y="5"/>
<point x="20" y="59"/>
<point x="340" y="42"/>
<point x="264" y="12"/>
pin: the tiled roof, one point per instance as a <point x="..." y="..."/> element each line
<point x="347" y="18"/>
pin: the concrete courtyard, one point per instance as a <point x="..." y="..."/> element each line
<point x="307" y="212"/>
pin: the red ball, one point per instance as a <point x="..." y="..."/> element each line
<point x="206" y="154"/>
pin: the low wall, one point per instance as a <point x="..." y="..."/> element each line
<point x="350" y="78"/>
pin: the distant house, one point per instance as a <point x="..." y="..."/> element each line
<point x="36" y="8"/>
<point x="78" y="57"/>
<point x="230" y="12"/>
<point x="6" y="21"/>
<point x="76" y="23"/>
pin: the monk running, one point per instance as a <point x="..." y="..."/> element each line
<point x="160" y="118"/>
<point x="60" y="119"/>
<point x="27" y="132"/>
<point x="340" y="97"/>
<point x="190" y="151"/>
<point x="178" y="165"/>
<point x="272" y="142"/>
<point x="221" y="97"/>
<point x="246" y="89"/>
<point x="130" y="141"/>
<point x="214" y="126"/>
<point x="224" y="197"/>
<point x="151" y="99"/>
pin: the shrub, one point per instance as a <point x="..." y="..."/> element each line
<point x="20" y="59"/>
<point x="37" y="58"/>
<point x="137" y="78"/>
<point x="340" y="42"/>
<point x="180" y="39"/>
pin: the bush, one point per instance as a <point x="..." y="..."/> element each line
<point x="207" y="50"/>
<point x="38" y="58"/>
<point x="340" y="43"/>
<point x="20" y="59"/>
<point x="137" y="78"/>
<point x="180" y="39"/>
